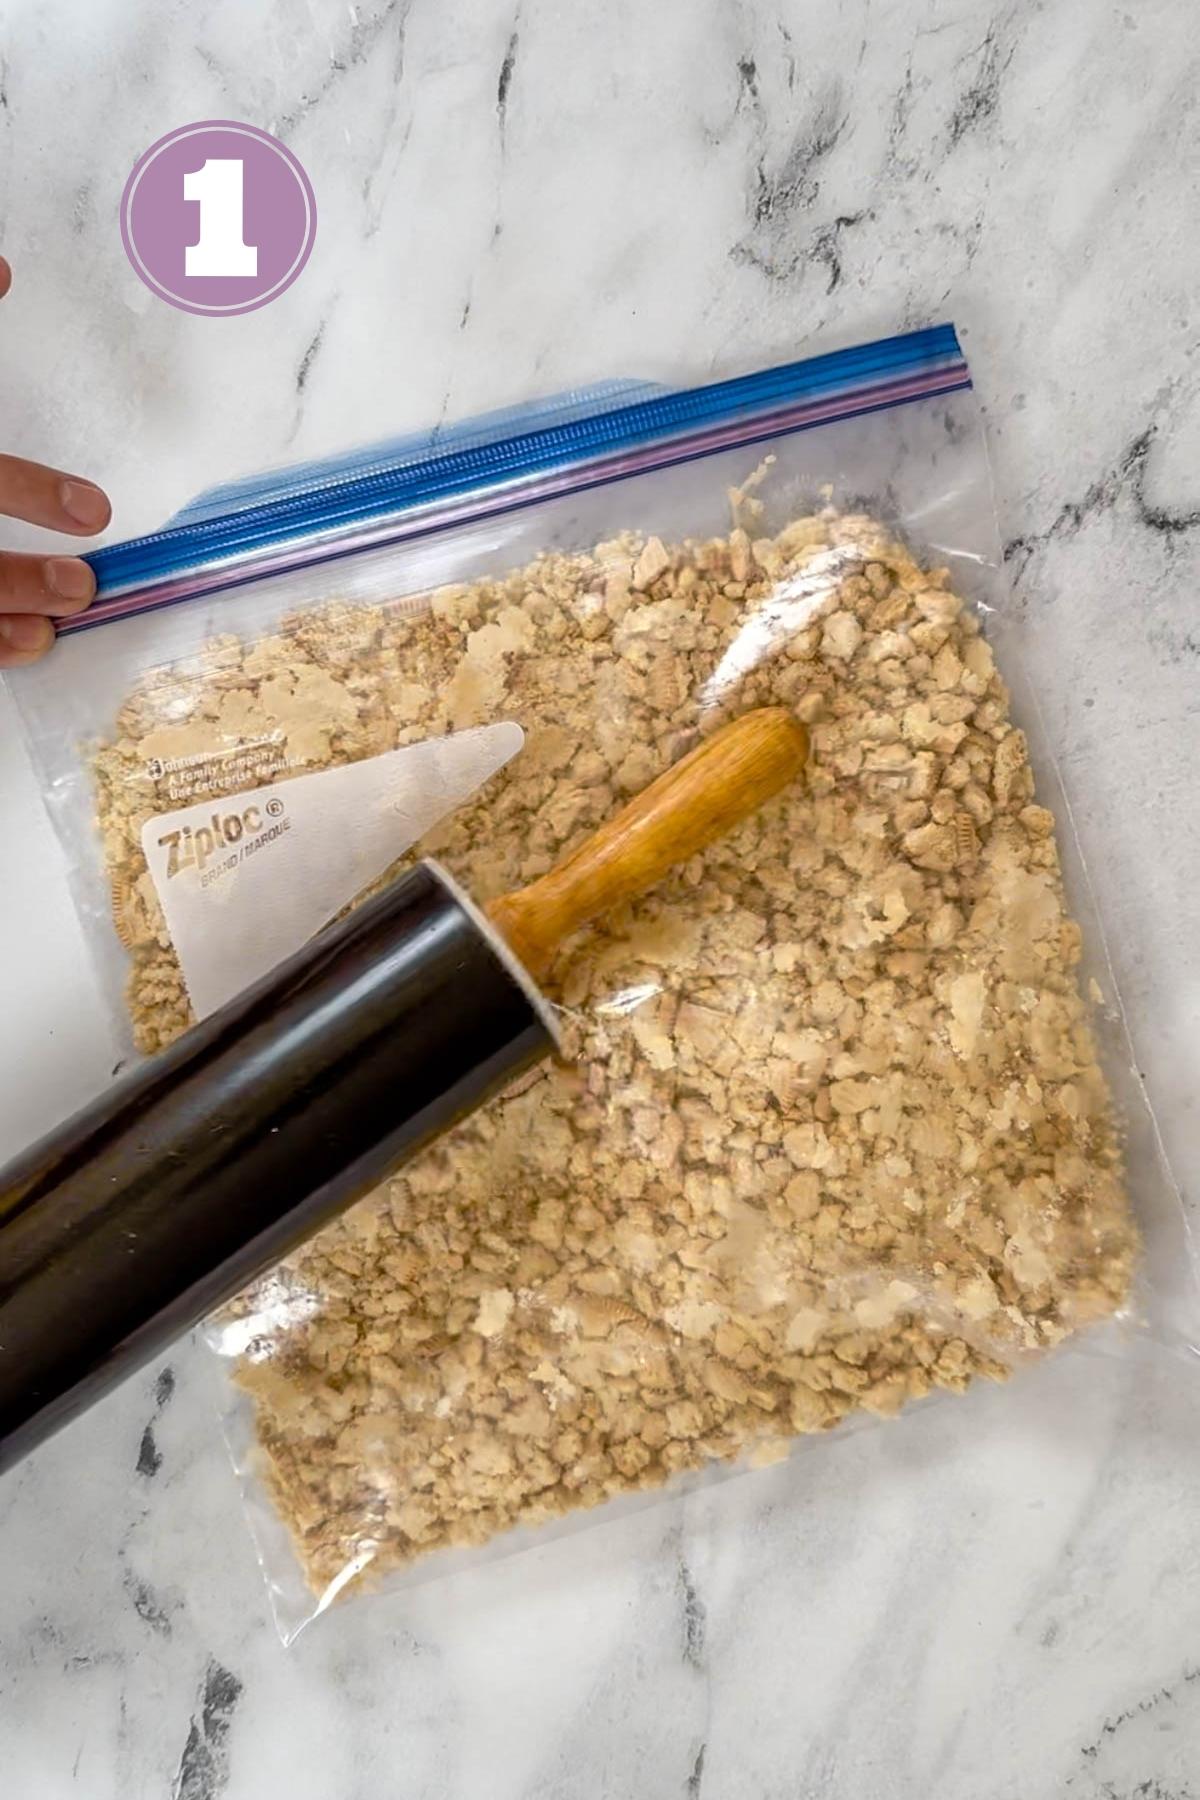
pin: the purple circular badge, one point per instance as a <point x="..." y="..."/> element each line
<point x="218" y="217"/>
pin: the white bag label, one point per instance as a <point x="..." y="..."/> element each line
<point x="245" y="880"/>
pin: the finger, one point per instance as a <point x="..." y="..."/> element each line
<point x="23" y="638"/>
<point x="5" y="277"/>
<point x="48" y="497"/>
<point x="56" y="585"/>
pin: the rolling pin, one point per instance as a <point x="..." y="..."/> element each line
<point x="206" y="1165"/>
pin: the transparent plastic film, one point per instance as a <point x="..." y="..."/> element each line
<point x="844" y="1114"/>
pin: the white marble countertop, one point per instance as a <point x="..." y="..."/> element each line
<point x="995" y="1597"/>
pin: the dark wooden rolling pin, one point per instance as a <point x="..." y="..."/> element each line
<point x="203" y="1167"/>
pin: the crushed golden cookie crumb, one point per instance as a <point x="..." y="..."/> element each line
<point x="831" y="1130"/>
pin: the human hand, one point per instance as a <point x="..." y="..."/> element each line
<point x="34" y="590"/>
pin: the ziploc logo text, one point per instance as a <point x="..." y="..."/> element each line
<point x="194" y="847"/>
<point x="245" y="878"/>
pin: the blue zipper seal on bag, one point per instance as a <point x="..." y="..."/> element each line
<point x="431" y="490"/>
<point x="392" y="453"/>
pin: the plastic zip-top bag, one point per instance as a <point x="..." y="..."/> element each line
<point x="845" y="1113"/>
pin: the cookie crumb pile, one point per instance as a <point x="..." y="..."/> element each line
<point x="830" y="1131"/>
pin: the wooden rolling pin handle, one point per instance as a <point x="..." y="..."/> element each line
<point x="712" y="789"/>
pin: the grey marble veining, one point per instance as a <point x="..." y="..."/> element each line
<point x="997" y="1598"/>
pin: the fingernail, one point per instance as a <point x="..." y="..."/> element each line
<point x="70" y="579"/>
<point x="85" y="503"/>
<point x="26" y="631"/>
